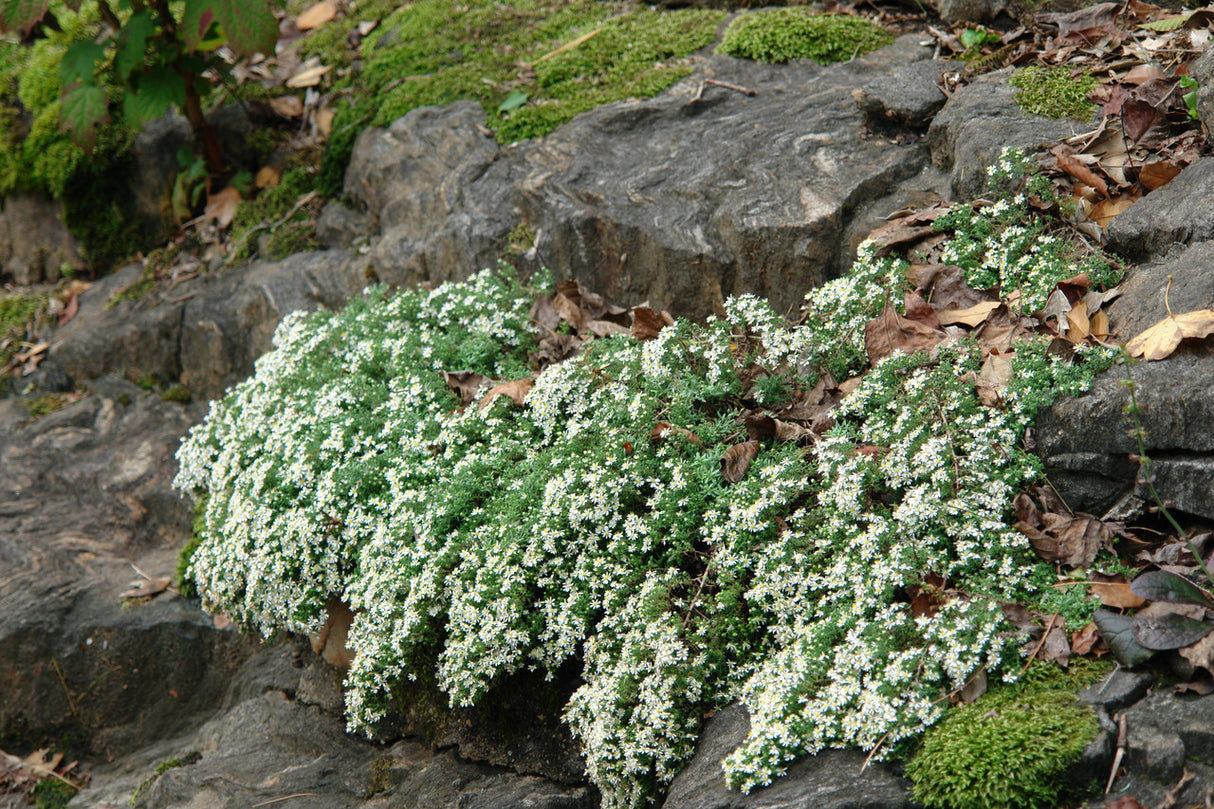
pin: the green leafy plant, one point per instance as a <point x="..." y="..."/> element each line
<point x="1054" y="92"/>
<point x="154" y="53"/>
<point x="1189" y="85"/>
<point x="621" y="518"/>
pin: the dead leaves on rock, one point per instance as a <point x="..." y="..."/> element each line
<point x="1161" y="340"/>
<point x="19" y="775"/>
<point x="575" y="315"/>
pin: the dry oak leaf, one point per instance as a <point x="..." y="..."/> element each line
<point x="1200" y="654"/>
<point x="891" y="332"/>
<point x="735" y="463"/>
<point x="146" y="588"/>
<point x="970" y="316"/>
<point x="516" y="391"/>
<point x="1159" y="341"/>
<point x="316" y="15"/>
<point x="646" y="323"/>
<point x="221" y="206"/>
<point x="664" y="428"/>
<point x="1116" y="594"/>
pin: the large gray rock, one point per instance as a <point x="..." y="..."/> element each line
<point x="1182" y="212"/>
<point x="35" y="244"/>
<point x="1142" y="303"/>
<point x="1086" y="445"/>
<point x="830" y="780"/>
<point x="1202" y="70"/>
<point x="978" y="122"/>
<point x="441" y="190"/>
<point x="907" y="95"/>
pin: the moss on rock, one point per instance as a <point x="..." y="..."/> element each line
<point x="1012" y="748"/>
<point x="1054" y="92"/>
<point x="783" y="34"/>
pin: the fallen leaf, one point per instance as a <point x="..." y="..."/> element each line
<point x="465" y="384"/>
<point x="1086" y="24"/>
<point x="1163" y="627"/>
<point x="1127" y="802"/>
<point x="646" y="323"/>
<point x="1158" y="174"/>
<point x="1116" y="594"/>
<point x="605" y="328"/>
<point x="1071" y="165"/>
<point x="1115" y="629"/>
<point x="267" y="177"/>
<point x="1057" y="646"/>
<point x="316" y="15"/>
<point x="1099" y="325"/>
<point x="146" y="588"/>
<point x="737" y="459"/>
<point x="570" y="311"/>
<point x="1107" y="210"/>
<point x="221" y="207"/>
<point x="516" y="391"/>
<point x="663" y="429"/>
<point x="918" y="309"/>
<point x="761" y="425"/>
<point x="1141" y="120"/>
<point x="1073" y="541"/>
<point x="1200" y="654"/>
<point x="995" y="373"/>
<point x="324" y="120"/>
<point x="70" y="309"/>
<point x="1159" y="341"/>
<point x="1056" y="306"/>
<point x="1025" y="510"/>
<point x="1078" y="325"/>
<point x="287" y="106"/>
<point x="891" y="332"/>
<point x="1085" y="639"/>
<point x="1201" y="687"/>
<point x="309" y="77"/>
<point x="970" y="316"/>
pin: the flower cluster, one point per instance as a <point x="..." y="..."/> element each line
<point x="474" y="542"/>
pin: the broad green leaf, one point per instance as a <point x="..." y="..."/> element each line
<point x="1115" y="629"/>
<point x="1161" y="585"/>
<point x="248" y="26"/>
<point x="157" y="90"/>
<point x="195" y="22"/>
<point x="1168" y="631"/>
<point x="1167" y="24"/>
<point x="79" y="63"/>
<point x="133" y="42"/>
<point x="20" y="15"/>
<point x="513" y="101"/>
<point x="82" y="108"/>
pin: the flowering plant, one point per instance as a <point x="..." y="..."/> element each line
<point x="594" y="523"/>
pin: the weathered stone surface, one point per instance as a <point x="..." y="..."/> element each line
<point x="1202" y="70"/>
<point x="829" y="780"/>
<point x="978" y="122"/>
<point x="84" y="495"/>
<point x="1142" y="305"/>
<point x="1086" y="446"/>
<point x="1181" y="212"/>
<point x="340" y="226"/>
<point x="441" y="190"/>
<point x="35" y="244"/>
<point x="231" y="322"/>
<point x="1119" y="690"/>
<point x="637" y="199"/>
<point x="907" y="95"/>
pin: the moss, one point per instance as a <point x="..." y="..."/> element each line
<point x="520" y="239"/>
<point x="439" y="51"/>
<point x="1012" y="748"/>
<point x="264" y="215"/>
<point x="48" y="403"/>
<point x="1054" y="92"/>
<point x="176" y="392"/>
<point x="53" y="794"/>
<point x="783" y="34"/>
<point x="381" y="776"/>
<point x="192" y="757"/>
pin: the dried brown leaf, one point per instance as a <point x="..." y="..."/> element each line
<point x="516" y="391"/>
<point x="316" y="15"/>
<point x="663" y="429"/>
<point x="1116" y="594"/>
<point x="465" y="384"/>
<point x="605" y="328"/>
<point x="267" y="177"/>
<point x="1057" y="646"/>
<point x="1105" y="211"/>
<point x="221" y="206"/>
<point x="1158" y="174"/>
<point x="287" y="106"/>
<point x="1084" y="640"/>
<point x="891" y="332"/>
<point x="735" y="463"/>
<point x="146" y="588"/>
<point x="646" y="323"/>
<point x="1200" y="654"/>
<point x="1159" y="341"/>
<point x="1071" y="165"/>
<point x="970" y="316"/>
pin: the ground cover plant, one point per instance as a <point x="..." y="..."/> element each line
<point x="810" y="517"/>
<point x="779" y="35"/>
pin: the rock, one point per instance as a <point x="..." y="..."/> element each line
<point x="1085" y="444"/>
<point x="1182" y="212"/>
<point x="35" y="244"/>
<point x="632" y="198"/>
<point x="1202" y="70"/>
<point x="156" y="165"/>
<point x="443" y="195"/>
<point x="978" y="122"/>
<point x="84" y="499"/>
<point x="908" y="95"/>
<point x="340" y="226"/>
<point x="231" y="322"/>
<point x="1119" y="690"/>
<point x="1141" y="304"/>
<point x="829" y="780"/>
<point x="980" y="11"/>
<point x="49" y="377"/>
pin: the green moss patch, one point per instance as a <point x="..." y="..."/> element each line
<point x="532" y="65"/>
<point x="1012" y="748"/>
<point x="1054" y="92"/>
<point x="784" y="34"/>
<point x="277" y="214"/>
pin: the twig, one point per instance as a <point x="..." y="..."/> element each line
<point x="568" y="46"/>
<point x="746" y="91"/>
<point x="873" y="752"/>
<point x="1120" y="754"/>
<point x="283" y="798"/>
<point x="70" y="703"/>
<point x="299" y="203"/>
<point x="1048" y="626"/>
<point x="1173" y="794"/>
<point x="182" y="298"/>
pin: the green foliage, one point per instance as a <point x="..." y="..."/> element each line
<point x="1012" y="748"/>
<point x="47" y="403"/>
<point x="478" y="541"/>
<point x="294" y="234"/>
<point x="1054" y="92"/>
<point x="51" y="793"/>
<point x="182" y="577"/>
<point x="783" y="34"/>
<point x="1004" y="246"/>
<point x="18" y="310"/>
<point x="439" y="51"/>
